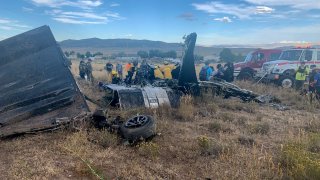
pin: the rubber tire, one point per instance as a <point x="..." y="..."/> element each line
<point x="245" y="75"/>
<point x="282" y="78"/>
<point x="133" y="134"/>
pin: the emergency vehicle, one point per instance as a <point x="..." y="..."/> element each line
<point x="253" y="62"/>
<point x="282" y="71"/>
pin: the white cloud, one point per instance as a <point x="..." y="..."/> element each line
<point x="263" y="10"/>
<point x="309" y="33"/>
<point x="9" y="24"/>
<point x="239" y="10"/>
<point x="114" y="5"/>
<point x="84" y="4"/>
<point x="75" y="21"/>
<point x="73" y="17"/>
<point x="85" y="14"/>
<point x="298" y="4"/>
<point x="223" y="19"/>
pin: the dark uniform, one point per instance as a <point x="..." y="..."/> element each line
<point x="89" y="71"/>
<point x="82" y="69"/>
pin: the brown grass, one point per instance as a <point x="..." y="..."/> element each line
<point x="217" y="139"/>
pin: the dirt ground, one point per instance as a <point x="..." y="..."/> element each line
<point x="205" y="138"/>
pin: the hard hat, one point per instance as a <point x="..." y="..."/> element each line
<point x="165" y="62"/>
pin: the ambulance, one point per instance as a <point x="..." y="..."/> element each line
<point x="282" y="71"/>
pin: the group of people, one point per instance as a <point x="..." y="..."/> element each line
<point x="225" y="72"/>
<point x="135" y="73"/>
<point x="301" y="75"/>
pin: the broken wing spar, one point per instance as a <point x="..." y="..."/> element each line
<point x="37" y="90"/>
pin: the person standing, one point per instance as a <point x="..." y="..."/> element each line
<point x="205" y="72"/>
<point x="119" y="70"/>
<point x="82" y="69"/>
<point x="228" y="72"/>
<point x="317" y="83"/>
<point x="109" y="68"/>
<point x="89" y="70"/>
<point x="301" y="75"/>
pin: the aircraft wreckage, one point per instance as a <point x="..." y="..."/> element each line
<point x="38" y="91"/>
<point x="152" y="94"/>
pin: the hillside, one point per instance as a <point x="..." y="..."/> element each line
<point x="131" y="46"/>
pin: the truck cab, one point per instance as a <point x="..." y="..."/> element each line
<point x="254" y="61"/>
<point x="282" y="71"/>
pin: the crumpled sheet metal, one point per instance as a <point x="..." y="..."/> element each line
<point x="137" y="96"/>
<point x="36" y="86"/>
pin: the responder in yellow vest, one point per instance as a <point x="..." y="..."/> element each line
<point x="301" y="75"/>
<point x="157" y="73"/>
<point x="166" y="70"/>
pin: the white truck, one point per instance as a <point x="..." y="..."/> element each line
<point x="282" y="71"/>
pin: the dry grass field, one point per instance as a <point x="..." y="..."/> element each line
<point x="205" y="138"/>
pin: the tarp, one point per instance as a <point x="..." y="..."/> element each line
<point x="37" y="88"/>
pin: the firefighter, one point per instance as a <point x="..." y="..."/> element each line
<point x="157" y="73"/>
<point x="166" y="69"/>
<point x="301" y="75"/>
<point x="115" y="77"/>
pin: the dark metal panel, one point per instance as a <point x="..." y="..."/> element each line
<point x="36" y="86"/>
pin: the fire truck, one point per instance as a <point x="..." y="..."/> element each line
<point x="282" y="71"/>
<point x="253" y="62"/>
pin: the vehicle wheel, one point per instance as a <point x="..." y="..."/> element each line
<point x="245" y="76"/>
<point x="138" y="127"/>
<point x="286" y="81"/>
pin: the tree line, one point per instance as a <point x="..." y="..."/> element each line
<point x="157" y="53"/>
<point x="226" y="55"/>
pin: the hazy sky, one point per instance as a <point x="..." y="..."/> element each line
<point x="215" y="22"/>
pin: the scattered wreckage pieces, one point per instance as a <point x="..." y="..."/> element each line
<point x="227" y="90"/>
<point x="37" y="89"/>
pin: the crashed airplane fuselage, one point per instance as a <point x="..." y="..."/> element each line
<point x="37" y="89"/>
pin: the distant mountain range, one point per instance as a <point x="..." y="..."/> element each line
<point x="131" y="46"/>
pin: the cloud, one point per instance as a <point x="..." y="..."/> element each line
<point x="84" y="4"/>
<point x="114" y="5"/>
<point x="9" y="24"/>
<point x="239" y="10"/>
<point x="72" y="17"/>
<point x="187" y="16"/>
<point x="308" y="33"/>
<point x="297" y="4"/>
<point x="223" y="19"/>
<point x="83" y="11"/>
<point x="263" y="10"/>
<point x="74" y="21"/>
<point x="26" y="9"/>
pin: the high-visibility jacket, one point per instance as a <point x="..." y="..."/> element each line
<point x="128" y="67"/>
<point x="166" y="70"/>
<point x="158" y="73"/>
<point x="302" y="73"/>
